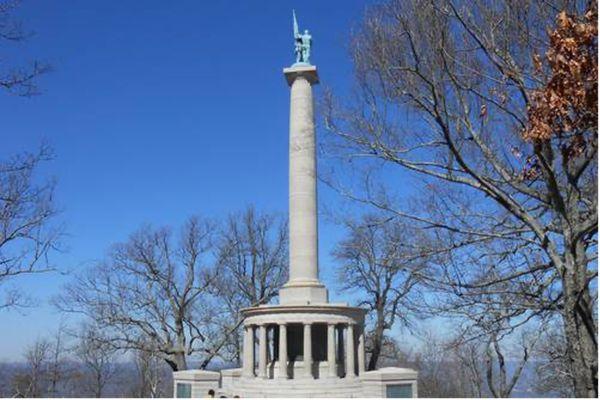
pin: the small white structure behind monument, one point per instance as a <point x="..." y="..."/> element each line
<point x="305" y="346"/>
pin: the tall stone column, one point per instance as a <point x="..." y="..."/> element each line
<point x="283" y="352"/>
<point x="350" y="373"/>
<point x="331" y="350"/>
<point x="361" y="351"/>
<point x="303" y="286"/>
<point x="307" y="356"/>
<point x="248" y="361"/>
<point x="262" y="352"/>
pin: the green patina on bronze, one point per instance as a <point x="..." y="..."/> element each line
<point x="302" y="43"/>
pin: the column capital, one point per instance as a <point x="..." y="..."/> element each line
<point x="308" y="72"/>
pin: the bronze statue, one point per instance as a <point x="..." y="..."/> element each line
<point x="302" y="43"/>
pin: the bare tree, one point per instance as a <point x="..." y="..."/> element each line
<point x="505" y="144"/>
<point x="487" y="365"/>
<point x="152" y="294"/>
<point x="499" y="381"/>
<point x="487" y="339"/>
<point x="440" y="371"/>
<point x="376" y="262"/>
<point x="6" y="380"/>
<point x="33" y="382"/>
<point x="469" y="357"/>
<point x="27" y="233"/>
<point x="552" y="367"/>
<point x="393" y="354"/>
<point x="252" y="257"/>
<point x="58" y="369"/>
<point x="150" y="374"/>
<point x="26" y="207"/>
<point x="98" y="357"/>
<point x="18" y="80"/>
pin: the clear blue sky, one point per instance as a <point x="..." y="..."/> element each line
<point x="159" y="110"/>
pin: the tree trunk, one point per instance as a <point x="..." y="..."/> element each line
<point x="177" y="362"/>
<point x="375" y="352"/>
<point x="377" y="342"/>
<point x="580" y="331"/>
<point x="98" y="388"/>
<point x="180" y="361"/>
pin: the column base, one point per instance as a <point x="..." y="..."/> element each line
<point x="303" y="293"/>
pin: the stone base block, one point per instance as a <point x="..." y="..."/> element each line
<point x="229" y="378"/>
<point x="196" y="383"/>
<point x="382" y="383"/>
<point x="390" y="382"/>
<point x="303" y="295"/>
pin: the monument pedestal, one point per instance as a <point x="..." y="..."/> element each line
<point x="300" y="293"/>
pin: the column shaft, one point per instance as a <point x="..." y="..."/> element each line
<point x="331" y="350"/>
<point x="303" y="184"/>
<point x="307" y="350"/>
<point x="283" y="353"/>
<point x="262" y="352"/>
<point x="248" y="361"/>
<point x="350" y="373"/>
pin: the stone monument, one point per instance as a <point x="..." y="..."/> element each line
<point x="304" y="346"/>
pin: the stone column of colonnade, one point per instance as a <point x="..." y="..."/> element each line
<point x="283" y="353"/>
<point x="262" y="351"/>
<point x="361" y="352"/>
<point x="307" y="350"/>
<point x="331" y="363"/>
<point x="248" y="352"/>
<point x="350" y="372"/>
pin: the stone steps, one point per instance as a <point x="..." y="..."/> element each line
<point x="299" y="388"/>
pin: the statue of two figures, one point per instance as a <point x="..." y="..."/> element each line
<point x="302" y="42"/>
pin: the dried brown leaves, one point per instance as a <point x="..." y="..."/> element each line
<point x="566" y="107"/>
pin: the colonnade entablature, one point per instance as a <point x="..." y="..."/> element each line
<point x="290" y="315"/>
